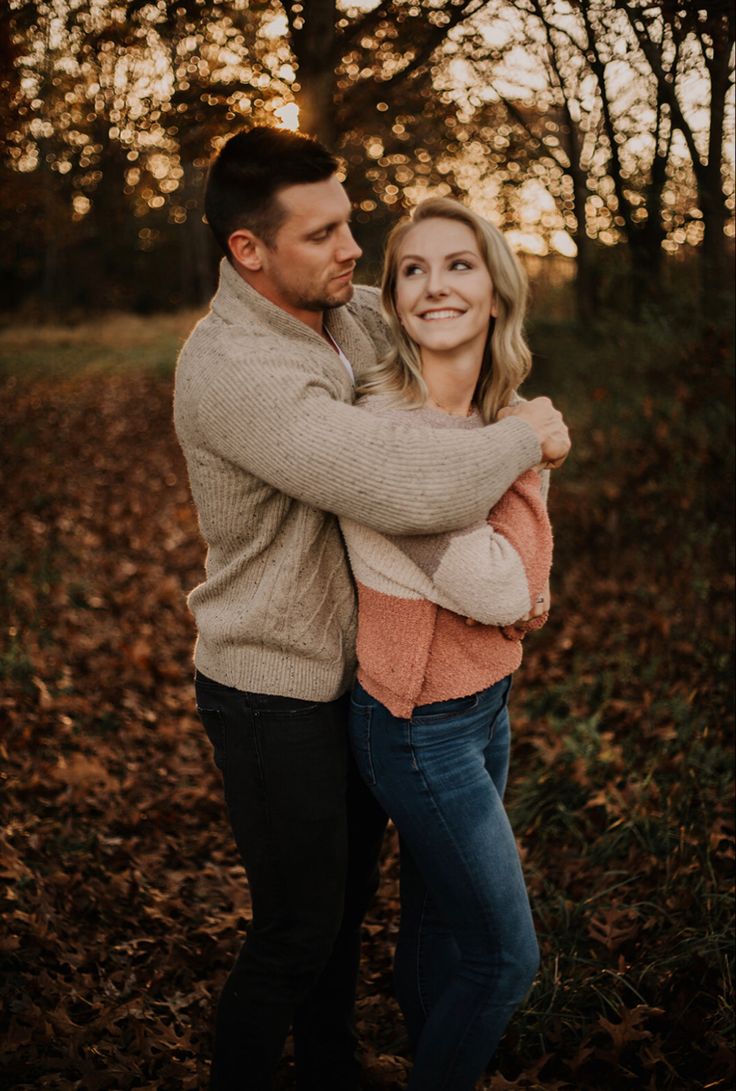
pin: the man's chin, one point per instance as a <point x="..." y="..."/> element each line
<point x="337" y="299"/>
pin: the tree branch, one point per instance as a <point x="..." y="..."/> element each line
<point x="654" y="60"/>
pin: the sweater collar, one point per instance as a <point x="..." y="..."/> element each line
<point x="236" y="302"/>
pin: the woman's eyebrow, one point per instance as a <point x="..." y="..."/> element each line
<point x="456" y="254"/>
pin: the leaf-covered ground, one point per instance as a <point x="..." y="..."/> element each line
<point x="123" y="897"/>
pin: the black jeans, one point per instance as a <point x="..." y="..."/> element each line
<point x="309" y="834"/>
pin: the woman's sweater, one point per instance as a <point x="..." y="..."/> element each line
<point x="415" y="594"/>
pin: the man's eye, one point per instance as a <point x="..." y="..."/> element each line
<point x="320" y="236"/>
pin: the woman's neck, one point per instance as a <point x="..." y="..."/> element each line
<point x="451" y="383"/>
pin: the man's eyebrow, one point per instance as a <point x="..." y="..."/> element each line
<point x="326" y="227"/>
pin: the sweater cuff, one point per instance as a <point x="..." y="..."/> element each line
<point x="524" y="438"/>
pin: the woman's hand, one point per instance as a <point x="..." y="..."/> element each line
<point x="525" y="624"/>
<point x="541" y="606"/>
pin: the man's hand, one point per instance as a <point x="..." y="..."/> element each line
<point x="550" y="428"/>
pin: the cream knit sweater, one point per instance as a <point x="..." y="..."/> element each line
<point x="275" y="450"/>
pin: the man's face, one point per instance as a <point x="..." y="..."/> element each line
<point x="309" y="266"/>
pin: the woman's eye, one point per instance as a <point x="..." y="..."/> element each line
<point x="410" y="270"/>
<point x="460" y="263"/>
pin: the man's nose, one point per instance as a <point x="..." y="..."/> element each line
<point x="348" y="249"/>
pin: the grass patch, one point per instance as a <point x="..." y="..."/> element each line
<point x="110" y="345"/>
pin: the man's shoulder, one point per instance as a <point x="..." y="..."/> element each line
<point x="366" y="303"/>
<point x="217" y="340"/>
<point x="365" y="306"/>
<point x="366" y="295"/>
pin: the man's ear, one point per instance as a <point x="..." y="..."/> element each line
<point x="245" y="248"/>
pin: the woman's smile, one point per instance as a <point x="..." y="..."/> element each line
<point x="434" y="316"/>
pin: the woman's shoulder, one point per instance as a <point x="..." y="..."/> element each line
<point x="392" y="407"/>
<point x="385" y="405"/>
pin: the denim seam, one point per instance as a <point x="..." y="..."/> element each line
<point x="503" y="708"/>
<point x="420" y="944"/>
<point x="447" y="1077"/>
<point x="369" y="745"/>
<point x="364" y="715"/>
<point x="438" y="811"/>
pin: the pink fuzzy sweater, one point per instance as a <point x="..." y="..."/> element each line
<point x="415" y="593"/>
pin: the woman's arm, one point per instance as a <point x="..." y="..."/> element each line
<point x="491" y="572"/>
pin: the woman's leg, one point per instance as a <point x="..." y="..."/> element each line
<point x="426" y="952"/>
<point x="432" y="776"/>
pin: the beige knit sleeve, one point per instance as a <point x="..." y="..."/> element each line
<point x="286" y="426"/>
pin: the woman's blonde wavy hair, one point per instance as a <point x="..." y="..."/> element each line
<point x="506" y="357"/>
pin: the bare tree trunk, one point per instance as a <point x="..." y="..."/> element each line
<point x="586" y="272"/>
<point x="644" y="239"/>
<point x="710" y="185"/>
<point x="313" y="37"/>
<point x="199" y="255"/>
<point x="586" y="284"/>
<point x="716" y="53"/>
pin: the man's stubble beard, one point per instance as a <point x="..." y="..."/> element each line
<point x="333" y="301"/>
<point x="326" y="302"/>
<point x="297" y="296"/>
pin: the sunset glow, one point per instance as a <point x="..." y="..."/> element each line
<point x="488" y="124"/>
<point x="288" y="116"/>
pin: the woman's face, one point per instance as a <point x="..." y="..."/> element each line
<point x="444" y="292"/>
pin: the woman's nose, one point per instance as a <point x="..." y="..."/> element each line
<point x="435" y="285"/>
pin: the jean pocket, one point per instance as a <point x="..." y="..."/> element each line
<point x="439" y="711"/>
<point x="360" y="740"/>
<point x="213" y="724"/>
<point x="286" y="706"/>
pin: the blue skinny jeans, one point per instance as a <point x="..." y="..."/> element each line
<point x="467" y="951"/>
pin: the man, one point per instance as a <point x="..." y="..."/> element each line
<point x="275" y="452"/>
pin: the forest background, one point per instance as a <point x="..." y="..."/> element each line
<point x="599" y="135"/>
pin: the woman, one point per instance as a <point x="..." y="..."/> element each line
<point x="440" y="624"/>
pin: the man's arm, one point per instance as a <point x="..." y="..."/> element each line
<point x="286" y="427"/>
<point x="490" y="573"/>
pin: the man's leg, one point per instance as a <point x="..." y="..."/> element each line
<point x="284" y="768"/>
<point x="324" y="1036"/>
